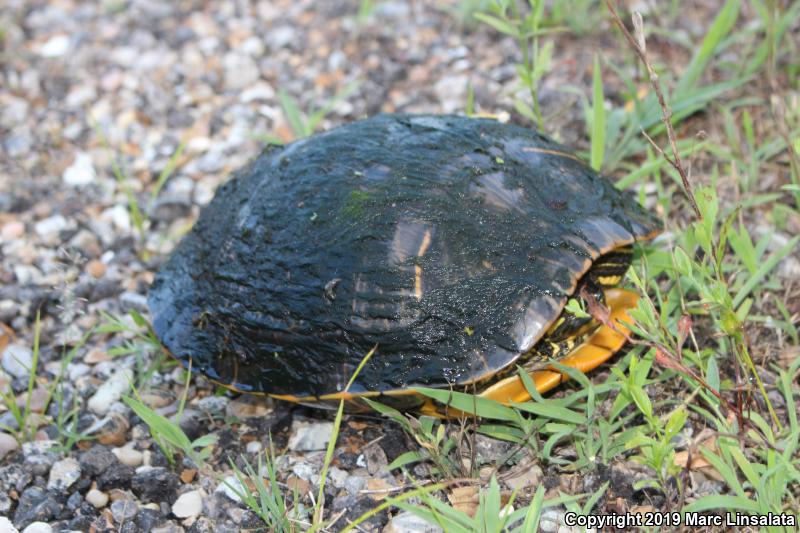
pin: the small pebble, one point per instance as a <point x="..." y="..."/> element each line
<point x="17" y="360"/>
<point x="310" y="436"/>
<point x="188" y="504"/>
<point x="248" y="407"/>
<point x="96" y="268"/>
<point x="407" y="522"/>
<point x="56" y="46"/>
<point x="133" y="301"/>
<point x="230" y="486"/>
<point x="154" y="484"/>
<point x="63" y="474"/>
<point x="50" y="228"/>
<point x="38" y="527"/>
<point x="6" y="526"/>
<point x="168" y="527"/>
<point x="124" y="510"/>
<point x="13" y="230"/>
<point x="213" y="404"/>
<point x="110" y="391"/>
<point x="128" y="455"/>
<point x="97" y="498"/>
<point x="81" y="172"/>
<point x="96" y="355"/>
<point x="96" y="460"/>
<point x="155" y="398"/>
<point x="8" y="444"/>
<point x="113" y="430"/>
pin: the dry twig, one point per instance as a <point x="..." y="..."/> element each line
<point x="639" y="46"/>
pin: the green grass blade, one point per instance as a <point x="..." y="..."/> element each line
<point x="337" y="423"/>
<point x="722" y="502"/>
<point x="765" y="268"/>
<point x="719" y="29"/>
<point x="470" y="404"/>
<point x="168" y="170"/>
<point x="552" y="411"/>
<point x="598" y="118"/>
<point x="293" y="114"/>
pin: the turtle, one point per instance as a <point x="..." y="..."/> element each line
<point x="446" y="246"/>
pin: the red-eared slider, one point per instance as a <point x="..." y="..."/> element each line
<point x="450" y="243"/>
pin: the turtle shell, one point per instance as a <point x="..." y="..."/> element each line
<point x="449" y="243"/>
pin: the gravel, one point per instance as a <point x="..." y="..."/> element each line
<point x="188" y="504"/>
<point x="97" y="498"/>
<point x="154" y="484"/>
<point x="17" y="360"/>
<point x="310" y="435"/>
<point x="110" y="391"/>
<point x="64" y="474"/>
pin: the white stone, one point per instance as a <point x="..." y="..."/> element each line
<point x="407" y="522"/>
<point x="81" y="172"/>
<point x="306" y="471"/>
<point x="240" y="70"/>
<point x="119" y="216"/>
<point x="38" y="447"/>
<point x="63" y="474"/>
<point x="128" y="455"/>
<point x="254" y="447"/>
<point x="230" y="486"/>
<point x="77" y="370"/>
<point x="337" y="476"/>
<point x="27" y="275"/>
<point x="49" y="228"/>
<point x="188" y="504"/>
<point x="6" y="526"/>
<point x="551" y="520"/>
<point x="38" y="527"/>
<point x="110" y="391"/>
<point x="56" y="46"/>
<point x="259" y="91"/>
<point x="17" y="360"/>
<point x="97" y="498"/>
<point x="253" y="46"/>
<point x="310" y="436"/>
<point x="281" y="36"/>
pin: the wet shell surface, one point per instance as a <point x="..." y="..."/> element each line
<point x="450" y="243"/>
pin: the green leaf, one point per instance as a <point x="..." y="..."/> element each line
<point x="469" y="403"/>
<point x="503" y="26"/>
<point x="406" y="459"/>
<point x="722" y="502"/>
<point x="598" y="118"/>
<point x="682" y="262"/>
<point x="712" y="373"/>
<point x="293" y="114"/>
<point x="168" y="169"/>
<point x="549" y="410"/>
<point x="719" y="29"/>
<point x="469" y="109"/>
<point x="160" y="427"/>
<point x="765" y="268"/>
<point x="205" y="440"/>
<point x="676" y="422"/>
